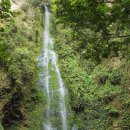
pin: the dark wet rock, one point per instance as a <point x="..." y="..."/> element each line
<point x="13" y="82"/>
<point x="11" y="110"/>
<point x="3" y="91"/>
<point x="102" y="80"/>
<point x="115" y="81"/>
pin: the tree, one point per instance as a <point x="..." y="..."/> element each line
<point x="107" y="20"/>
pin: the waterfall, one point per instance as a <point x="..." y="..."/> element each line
<point x="74" y="127"/>
<point x="55" y="107"/>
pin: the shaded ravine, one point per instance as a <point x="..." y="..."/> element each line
<point x="55" y="115"/>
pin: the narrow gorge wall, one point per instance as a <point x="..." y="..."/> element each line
<point x="22" y="101"/>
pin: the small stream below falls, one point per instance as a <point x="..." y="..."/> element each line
<point x="55" y="116"/>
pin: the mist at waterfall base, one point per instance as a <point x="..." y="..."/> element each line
<point x="54" y="118"/>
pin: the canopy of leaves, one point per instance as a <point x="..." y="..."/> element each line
<point x="99" y="26"/>
<point x="94" y="14"/>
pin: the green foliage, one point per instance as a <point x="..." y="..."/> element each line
<point x="82" y="11"/>
<point x="20" y="42"/>
<point x="96" y="15"/>
<point x="25" y="69"/>
<point x="92" y="40"/>
<point x="3" y="54"/>
<point x="97" y="92"/>
<point x="113" y="112"/>
<point x="99" y="27"/>
<point x="39" y="3"/>
<point x="1" y="127"/>
<point x="5" y="12"/>
<point x="125" y="121"/>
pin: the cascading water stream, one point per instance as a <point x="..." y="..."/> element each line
<point x="48" y="57"/>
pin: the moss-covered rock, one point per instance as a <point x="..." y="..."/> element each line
<point x="22" y="101"/>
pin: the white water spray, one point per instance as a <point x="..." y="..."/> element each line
<point x="74" y="127"/>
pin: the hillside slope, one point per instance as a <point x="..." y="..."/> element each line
<point x="22" y="101"/>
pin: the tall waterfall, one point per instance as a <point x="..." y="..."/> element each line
<point x="55" y="115"/>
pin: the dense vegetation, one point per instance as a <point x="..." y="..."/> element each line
<point x="92" y="40"/>
<point x="22" y="103"/>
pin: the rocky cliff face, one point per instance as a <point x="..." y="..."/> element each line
<point x="16" y="4"/>
<point x="11" y="110"/>
<point x="21" y="101"/>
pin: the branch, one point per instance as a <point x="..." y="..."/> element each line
<point x="109" y="37"/>
<point x="118" y="36"/>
